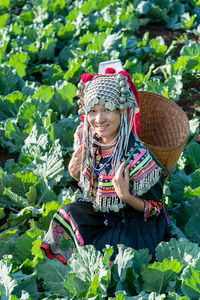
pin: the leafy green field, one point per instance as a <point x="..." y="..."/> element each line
<point x="46" y="45"/>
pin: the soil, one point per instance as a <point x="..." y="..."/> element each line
<point x="190" y="98"/>
<point x="4" y="156"/>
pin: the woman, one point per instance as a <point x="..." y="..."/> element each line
<point x="120" y="182"/>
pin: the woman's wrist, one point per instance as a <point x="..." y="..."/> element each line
<point x="135" y="202"/>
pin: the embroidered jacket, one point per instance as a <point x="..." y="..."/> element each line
<point x="98" y="188"/>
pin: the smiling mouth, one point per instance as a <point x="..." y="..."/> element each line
<point x="102" y="127"/>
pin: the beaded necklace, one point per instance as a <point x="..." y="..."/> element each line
<point x="112" y="159"/>
<point x="106" y="145"/>
<point x="108" y="162"/>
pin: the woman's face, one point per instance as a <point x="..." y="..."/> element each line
<point x="104" y="122"/>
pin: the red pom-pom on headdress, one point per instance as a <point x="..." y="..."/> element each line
<point x="86" y="77"/>
<point x="110" y="71"/>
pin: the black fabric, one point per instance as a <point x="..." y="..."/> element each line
<point x="125" y="227"/>
<point x="99" y="229"/>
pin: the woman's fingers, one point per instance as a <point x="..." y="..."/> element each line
<point x="126" y="173"/>
<point x="119" y="173"/>
<point x="121" y="182"/>
<point x="122" y="172"/>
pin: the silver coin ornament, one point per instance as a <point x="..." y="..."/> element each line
<point x="108" y="105"/>
<point x="81" y="112"/>
<point x="103" y="209"/>
<point x="87" y="108"/>
<point x="120" y="77"/>
<point x="123" y="83"/>
<point x="112" y="107"/>
<point x="136" y="110"/>
<point x="122" y="107"/>
<point x="80" y="102"/>
<point x="124" y="89"/>
<point x="95" y="101"/>
<point x="101" y="102"/>
<point x="81" y="85"/>
<point x="115" y="207"/>
<point x="91" y="104"/>
<point x="120" y="205"/>
<point x="122" y="99"/>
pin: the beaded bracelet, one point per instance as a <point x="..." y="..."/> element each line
<point x="151" y="208"/>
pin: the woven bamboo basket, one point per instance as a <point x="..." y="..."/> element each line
<point x="164" y="127"/>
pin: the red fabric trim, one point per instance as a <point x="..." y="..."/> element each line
<point x="156" y="203"/>
<point x="136" y="94"/>
<point x="102" y="155"/>
<point x="47" y="250"/>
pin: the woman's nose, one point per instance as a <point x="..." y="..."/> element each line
<point x="100" y="117"/>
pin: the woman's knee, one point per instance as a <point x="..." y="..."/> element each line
<point x="67" y="208"/>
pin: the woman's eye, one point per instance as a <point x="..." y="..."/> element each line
<point x="91" y="111"/>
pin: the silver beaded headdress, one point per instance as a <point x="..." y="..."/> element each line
<point x="111" y="90"/>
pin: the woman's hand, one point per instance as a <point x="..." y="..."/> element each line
<point x="75" y="162"/>
<point x="121" y="185"/>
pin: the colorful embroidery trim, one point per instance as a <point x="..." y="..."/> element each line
<point x="50" y="255"/>
<point x="105" y="186"/>
<point x="149" y="169"/>
<point x="86" y="173"/>
<point x="141" y="165"/>
<point x="62" y="218"/>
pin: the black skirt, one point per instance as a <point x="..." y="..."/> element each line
<point x="77" y="224"/>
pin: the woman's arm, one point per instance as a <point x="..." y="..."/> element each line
<point x="78" y="158"/>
